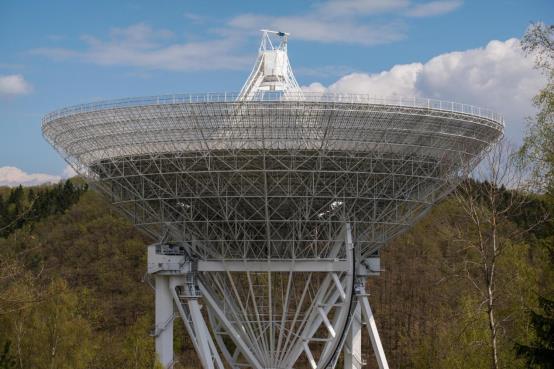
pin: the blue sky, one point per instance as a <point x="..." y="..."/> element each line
<point x="59" y="53"/>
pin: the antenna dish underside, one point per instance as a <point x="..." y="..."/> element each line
<point x="232" y="174"/>
<point x="270" y="204"/>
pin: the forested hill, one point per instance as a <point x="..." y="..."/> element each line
<point x="19" y="207"/>
<point x="73" y="292"/>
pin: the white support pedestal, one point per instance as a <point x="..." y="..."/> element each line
<point x="363" y="315"/>
<point x="373" y="334"/>
<point x="170" y="272"/>
<point x="163" y="331"/>
<point x="353" y="343"/>
<point x="178" y="285"/>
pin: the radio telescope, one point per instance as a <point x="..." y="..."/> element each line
<point x="269" y="206"/>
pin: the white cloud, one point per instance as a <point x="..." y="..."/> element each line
<point x="12" y="176"/>
<point x="142" y="46"/>
<point x="360" y="7"/>
<point x="14" y="84"/>
<point x="433" y="8"/>
<point x="497" y="76"/>
<point x="399" y="80"/>
<point x="313" y="27"/>
<point x="68" y="172"/>
<point x="315" y="87"/>
<point x="347" y="21"/>
<point x="358" y="22"/>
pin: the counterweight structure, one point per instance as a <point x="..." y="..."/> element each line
<point x="269" y="206"/>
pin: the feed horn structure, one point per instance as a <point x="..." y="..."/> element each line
<point x="270" y="205"/>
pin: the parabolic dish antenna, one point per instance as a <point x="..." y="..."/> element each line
<point x="270" y="205"/>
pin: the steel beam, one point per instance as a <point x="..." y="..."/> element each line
<point x="163" y="330"/>
<point x="196" y="327"/>
<point x="322" y="265"/>
<point x="373" y="333"/>
<point x="353" y="345"/>
<point x="250" y="357"/>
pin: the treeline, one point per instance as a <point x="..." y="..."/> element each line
<point x="431" y="303"/>
<point x="73" y="293"/>
<point x="534" y="214"/>
<point x="19" y="206"/>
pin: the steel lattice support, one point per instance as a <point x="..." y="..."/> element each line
<point x="212" y="171"/>
<point x="281" y="330"/>
<point x="250" y="329"/>
<point x="163" y="331"/>
<point x="268" y="203"/>
<point x="353" y="344"/>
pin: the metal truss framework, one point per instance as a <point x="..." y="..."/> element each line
<point x="269" y="204"/>
<point x="272" y="179"/>
<point x="272" y="70"/>
<point x="265" y="314"/>
<point x="256" y="195"/>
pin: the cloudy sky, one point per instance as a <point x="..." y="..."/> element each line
<point x="59" y="53"/>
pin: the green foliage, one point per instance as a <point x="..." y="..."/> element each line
<point x="158" y="365"/>
<point x="138" y="348"/>
<point x="96" y="252"/>
<point x="60" y="336"/>
<point x="21" y="207"/>
<point x="540" y="353"/>
<point x="78" y="273"/>
<point x="538" y="147"/>
<point x="429" y="311"/>
<point x="73" y="280"/>
<point x="7" y="361"/>
<point x="49" y="334"/>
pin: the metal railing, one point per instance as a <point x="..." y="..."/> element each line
<point x="273" y="96"/>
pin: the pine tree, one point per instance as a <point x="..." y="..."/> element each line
<point x="540" y="354"/>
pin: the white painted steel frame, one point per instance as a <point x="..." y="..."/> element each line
<point x="216" y="169"/>
<point x="268" y="183"/>
<point x="275" y="197"/>
<point x="280" y="78"/>
<point x="373" y="333"/>
<point x="276" y="339"/>
<point x="352" y="349"/>
<point x="163" y="330"/>
<point x="315" y="97"/>
<point x="273" y="339"/>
